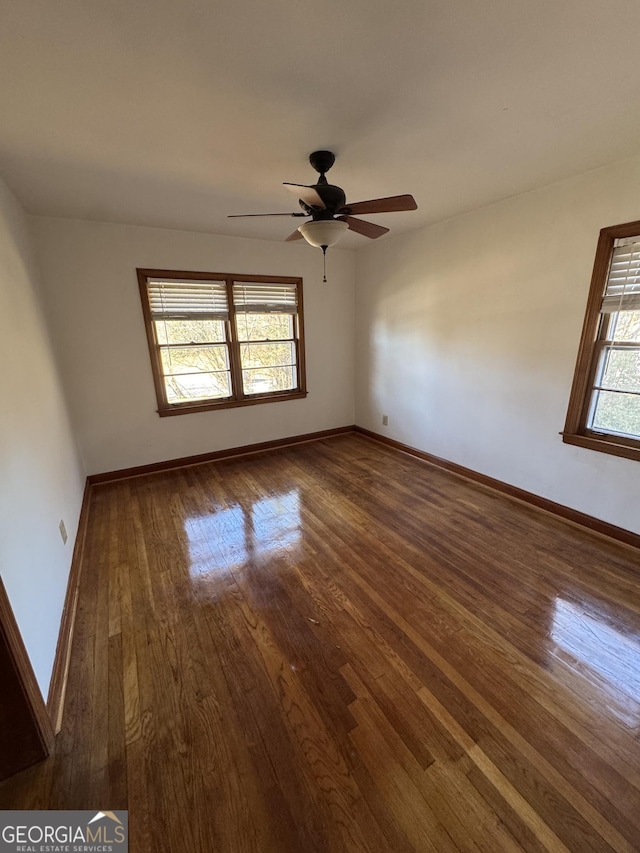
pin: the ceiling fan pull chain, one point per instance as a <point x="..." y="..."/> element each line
<point x="324" y="263"/>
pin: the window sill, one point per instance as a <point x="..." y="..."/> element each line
<point x="208" y="405"/>
<point x="603" y="445"/>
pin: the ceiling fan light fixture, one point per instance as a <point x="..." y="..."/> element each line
<point x="323" y="233"/>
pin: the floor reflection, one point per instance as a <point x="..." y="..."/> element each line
<point x="216" y="541"/>
<point x="605" y="655"/>
<point x="276" y="522"/>
<point x="232" y="536"/>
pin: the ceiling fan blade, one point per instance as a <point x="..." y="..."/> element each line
<point x="244" y="215"/>
<point x="383" y="205"/>
<point x="368" y="229"/>
<point x="295" y="236"/>
<point x="309" y="195"/>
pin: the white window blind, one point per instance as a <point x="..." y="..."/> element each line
<point x="250" y="298"/>
<point x="623" y="283"/>
<point x="175" y="299"/>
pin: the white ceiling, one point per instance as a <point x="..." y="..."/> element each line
<point x="176" y="113"/>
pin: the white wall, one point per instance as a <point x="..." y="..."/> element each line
<point x="468" y="332"/>
<point x="96" y="323"/>
<point x="41" y="481"/>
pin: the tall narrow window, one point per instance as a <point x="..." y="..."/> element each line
<point x="266" y="328"/>
<point x="219" y="340"/>
<point x="604" y="409"/>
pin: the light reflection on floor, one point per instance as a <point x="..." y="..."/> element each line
<point x="276" y="522"/>
<point x="232" y="536"/>
<point x="599" y="649"/>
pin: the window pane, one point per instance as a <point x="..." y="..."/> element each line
<point x="626" y="326"/>
<point x="264" y="327"/>
<point x="622" y="369"/>
<point x="197" y="386"/>
<point x="267" y="355"/>
<point x="264" y="380"/>
<point x="194" y="359"/>
<point x="189" y="331"/>
<point x="616" y="412"/>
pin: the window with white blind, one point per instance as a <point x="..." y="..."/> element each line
<point x="220" y="340"/>
<point x="604" y="409"/>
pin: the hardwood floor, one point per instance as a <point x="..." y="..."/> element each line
<point x="335" y="646"/>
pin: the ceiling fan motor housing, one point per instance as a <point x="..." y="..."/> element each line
<point x="333" y="197"/>
<point x="334" y="200"/>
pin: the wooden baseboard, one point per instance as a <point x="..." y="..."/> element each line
<point x="596" y="525"/>
<point x="60" y="673"/>
<point x="186" y="461"/>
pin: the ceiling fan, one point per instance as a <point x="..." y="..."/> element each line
<point x="330" y="214"/>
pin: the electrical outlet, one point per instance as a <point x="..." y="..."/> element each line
<point x="63" y="531"/>
<point x="385" y="420"/>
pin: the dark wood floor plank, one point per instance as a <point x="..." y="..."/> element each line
<point x="116" y="747"/>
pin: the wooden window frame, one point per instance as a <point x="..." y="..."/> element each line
<point x="238" y="398"/>
<point x="575" y="430"/>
